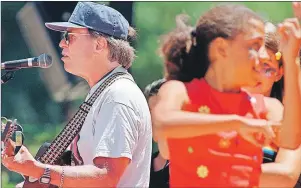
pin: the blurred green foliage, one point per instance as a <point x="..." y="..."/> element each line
<point x="29" y="100"/>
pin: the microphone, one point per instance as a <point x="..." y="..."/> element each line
<point x="43" y="61"/>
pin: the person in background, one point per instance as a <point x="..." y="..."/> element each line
<point x="159" y="170"/>
<point x="281" y="167"/>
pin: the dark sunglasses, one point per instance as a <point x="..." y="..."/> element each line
<point x="66" y="34"/>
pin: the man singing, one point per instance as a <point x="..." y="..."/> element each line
<point x="113" y="148"/>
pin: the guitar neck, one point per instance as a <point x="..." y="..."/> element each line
<point x="54" y="151"/>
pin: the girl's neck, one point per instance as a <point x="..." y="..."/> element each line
<point x="219" y="81"/>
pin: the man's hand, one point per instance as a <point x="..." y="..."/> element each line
<point x="22" y="163"/>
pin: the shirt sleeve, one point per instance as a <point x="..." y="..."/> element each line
<point x="116" y="131"/>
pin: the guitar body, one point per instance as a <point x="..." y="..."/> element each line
<point x="65" y="160"/>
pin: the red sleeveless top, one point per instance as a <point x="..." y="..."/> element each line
<point x="219" y="160"/>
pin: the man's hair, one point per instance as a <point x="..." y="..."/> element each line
<point x="185" y="49"/>
<point x="119" y="50"/>
<point x="153" y="88"/>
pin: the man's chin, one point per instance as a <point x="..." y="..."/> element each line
<point x="68" y="69"/>
<point x="71" y="71"/>
<point x="65" y="58"/>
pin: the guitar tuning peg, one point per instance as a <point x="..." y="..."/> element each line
<point x="3" y="120"/>
<point x="15" y="121"/>
<point x="19" y="138"/>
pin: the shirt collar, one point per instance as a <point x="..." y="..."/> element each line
<point x="117" y="69"/>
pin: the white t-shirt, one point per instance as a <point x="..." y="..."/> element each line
<point x="118" y="125"/>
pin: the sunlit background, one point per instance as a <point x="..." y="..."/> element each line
<point x="44" y="100"/>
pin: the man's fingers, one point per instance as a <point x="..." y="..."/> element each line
<point x="6" y="161"/>
<point x="10" y="148"/>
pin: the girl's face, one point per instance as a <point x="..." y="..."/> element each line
<point x="244" y="54"/>
<point x="270" y="73"/>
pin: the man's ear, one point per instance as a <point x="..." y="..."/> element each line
<point x="100" y="44"/>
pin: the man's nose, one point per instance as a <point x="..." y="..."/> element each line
<point x="63" y="44"/>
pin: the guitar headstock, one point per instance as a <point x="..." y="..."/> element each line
<point x="11" y="136"/>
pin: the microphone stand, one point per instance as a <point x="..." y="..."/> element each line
<point x="9" y="74"/>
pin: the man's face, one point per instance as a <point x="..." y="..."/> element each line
<point x="78" y="51"/>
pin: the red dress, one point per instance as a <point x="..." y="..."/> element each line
<point x="219" y="160"/>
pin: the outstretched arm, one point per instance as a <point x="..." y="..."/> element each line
<point x="170" y="121"/>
